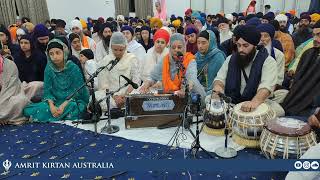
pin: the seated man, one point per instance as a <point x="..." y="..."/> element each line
<point x="267" y="35"/>
<point x="127" y="66"/>
<point x="306" y="84"/>
<point x="166" y="71"/>
<point x="249" y="75"/>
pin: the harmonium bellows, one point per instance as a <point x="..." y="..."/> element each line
<point x="153" y="110"/>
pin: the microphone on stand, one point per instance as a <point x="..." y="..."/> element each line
<point x="223" y="96"/>
<point x="179" y="58"/>
<point x="134" y="85"/>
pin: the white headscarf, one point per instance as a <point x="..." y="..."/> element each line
<point x="118" y="38"/>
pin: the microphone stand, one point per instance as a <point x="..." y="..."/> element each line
<point x="95" y="117"/>
<point x="196" y="146"/>
<point x="226" y="152"/>
<point x="108" y="128"/>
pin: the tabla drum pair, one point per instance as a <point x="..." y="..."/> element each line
<point x="247" y="126"/>
<point x="214" y="118"/>
<point x="286" y="138"/>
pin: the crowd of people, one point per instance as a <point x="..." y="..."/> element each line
<point x="252" y="57"/>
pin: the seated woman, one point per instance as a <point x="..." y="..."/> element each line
<point x="12" y="97"/>
<point x="156" y="53"/>
<point x="127" y="66"/>
<point x="209" y="58"/>
<point x="31" y="64"/>
<point x="76" y="45"/>
<point x="166" y="71"/>
<point x="61" y="79"/>
<point x="8" y="48"/>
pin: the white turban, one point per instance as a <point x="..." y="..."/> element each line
<point x="229" y="17"/>
<point x="281" y="17"/>
<point x="76" y="23"/>
<point x="120" y="17"/>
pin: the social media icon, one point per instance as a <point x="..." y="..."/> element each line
<point x="298" y="165"/>
<point x="306" y="165"/>
<point x="314" y="165"/>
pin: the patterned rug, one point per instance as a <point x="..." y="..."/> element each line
<point x="49" y="142"/>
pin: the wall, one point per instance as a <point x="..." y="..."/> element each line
<point x="68" y="9"/>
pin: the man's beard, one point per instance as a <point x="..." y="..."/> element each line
<point x="283" y="29"/>
<point x="42" y="47"/>
<point x="303" y="29"/>
<point x="224" y="31"/>
<point x="106" y="42"/>
<point x="244" y="60"/>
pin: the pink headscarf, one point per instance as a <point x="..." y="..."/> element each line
<point x="1" y="66"/>
<point x="163" y="14"/>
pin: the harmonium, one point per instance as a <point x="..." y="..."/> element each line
<point x="153" y="110"/>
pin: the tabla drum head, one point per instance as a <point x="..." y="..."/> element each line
<point x="215" y="107"/>
<point x="263" y="108"/>
<point x="288" y="127"/>
<point x="286" y="138"/>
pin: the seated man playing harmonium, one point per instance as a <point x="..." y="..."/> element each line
<point x="170" y="71"/>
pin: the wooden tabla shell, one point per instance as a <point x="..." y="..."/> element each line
<point x="214" y="118"/>
<point x="286" y="138"/>
<point x="247" y="126"/>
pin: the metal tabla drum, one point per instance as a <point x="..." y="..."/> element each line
<point x="247" y="126"/>
<point x="214" y="118"/>
<point x="286" y="138"/>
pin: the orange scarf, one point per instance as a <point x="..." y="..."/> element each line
<point x="174" y="85"/>
<point x="85" y="42"/>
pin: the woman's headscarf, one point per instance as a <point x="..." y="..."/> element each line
<point x="73" y="36"/>
<point x="193" y="48"/>
<point x="65" y="56"/>
<point x="163" y="14"/>
<point x="177" y="37"/>
<point x="29" y="38"/>
<point x="212" y="50"/>
<point x="204" y="59"/>
<point x="118" y="38"/>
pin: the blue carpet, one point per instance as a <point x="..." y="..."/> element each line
<point x="57" y="143"/>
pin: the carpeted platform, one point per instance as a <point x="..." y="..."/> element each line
<point x="59" y="142"/>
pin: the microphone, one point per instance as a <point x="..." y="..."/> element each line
<point x="179" y="54"/>
<point x="134" y="85"/>
<point x="113" y="63"/>
<point x="179" y="59"/>
<point x="223" y="96"/>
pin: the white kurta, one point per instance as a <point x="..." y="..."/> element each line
<point x="101" y="52"/>
<point x="127" y="66"/>
<point x="280" y="60"/>
<point x="268" y="79"/>
<point x="138" y="50"/>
